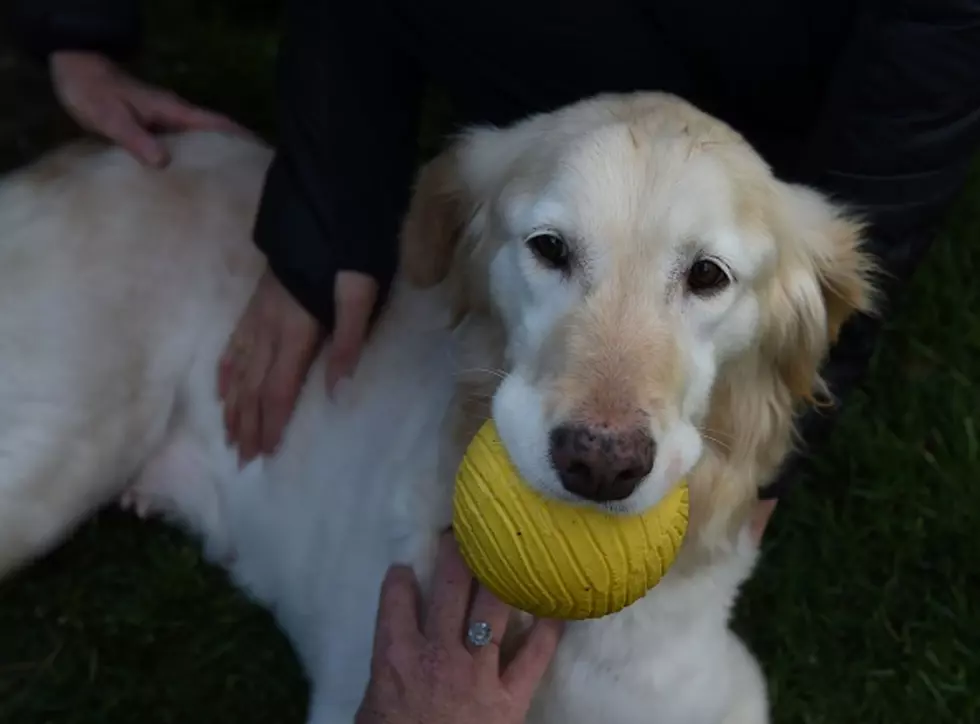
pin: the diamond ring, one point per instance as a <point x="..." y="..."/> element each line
<point x="479" y="634"/>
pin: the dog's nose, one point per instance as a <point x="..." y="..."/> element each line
<point x="601" y="464"/>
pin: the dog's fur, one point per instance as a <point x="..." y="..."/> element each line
<point x="119" y="287"/>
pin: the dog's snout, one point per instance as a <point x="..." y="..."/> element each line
<point x="601" y="464"/>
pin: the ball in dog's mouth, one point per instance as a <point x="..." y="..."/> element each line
<point x="551" y="558"/>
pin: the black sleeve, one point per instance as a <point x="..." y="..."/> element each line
<point x="348" y="104"/>
<point x="899" y="130"/>
<point x="111" y="27"/>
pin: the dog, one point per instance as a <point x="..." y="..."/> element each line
<point x="621" y="284"/>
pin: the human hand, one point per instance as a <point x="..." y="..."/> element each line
<point x="269" y="355"/>
<point x="422" y="672"/>
<point x="264" y="367"/>
<point x="759" y="520"/>
<point x="103" y="98"/>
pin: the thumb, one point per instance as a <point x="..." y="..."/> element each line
<point x="118" y="123"/>
<point x="528" y="667"/>
<point x="355" y="295"/>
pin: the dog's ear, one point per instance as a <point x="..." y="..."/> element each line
<point x="435" y="220"/>
<point x="821" y="278"/>
<point x="452" y="195"/>
<point x="824" y="278"/>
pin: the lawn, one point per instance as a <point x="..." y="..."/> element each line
<point x="861" y="610"/>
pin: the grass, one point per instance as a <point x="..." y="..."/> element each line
<point x="864" y="609"/>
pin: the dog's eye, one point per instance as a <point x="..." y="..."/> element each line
<point x="549" y="248"/>
<point x="706" y="277"/>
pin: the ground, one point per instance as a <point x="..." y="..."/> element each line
<point x="861" y="611"/>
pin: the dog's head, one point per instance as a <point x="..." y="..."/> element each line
<point x="662" y="301"/>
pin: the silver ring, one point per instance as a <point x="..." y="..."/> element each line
<point x="479" y="634"/>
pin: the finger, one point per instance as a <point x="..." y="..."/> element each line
<point x="226" y="371"/>
<point x="760" y="519"/>
<point x="230" y="416"/>
<point x="195" y="118"/>
<point x="452" y="582"/>
<point x="527" y="668"/>
<point x="355" y="295"/>
<point x="284" y="383"/>
<point x="398" y="609"/>
<point x="173" y="112"/>
<point x="489" y="609"/>
<point x="229" y="374"/>
<point x="239" y="406"/>
<point x="118" y="123"/>
<point x="248" y="424"/>
<point x="255" y="367"/>
<point x="228" y="391"/>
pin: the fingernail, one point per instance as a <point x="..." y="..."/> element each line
<point x="157" y="158"/>
<point x="333" y="381"/>
<point x="272" y="449"/>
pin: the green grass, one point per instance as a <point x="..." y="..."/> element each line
<point x="861" y="611"/>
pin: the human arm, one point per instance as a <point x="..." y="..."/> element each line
<point x="348" y="102"/>
<point x="348" y="105"/>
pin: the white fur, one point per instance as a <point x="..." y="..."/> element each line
<point x="634" y="228"/>
<point x="120" y="287"/>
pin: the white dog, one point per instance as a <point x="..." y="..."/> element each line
<point x="625" y="269"/>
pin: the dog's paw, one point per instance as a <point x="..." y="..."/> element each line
<point x="173" y="484"/>
<point x="178" y="487"/>
<point x="132" y="501"/>
<point x="139" y="502"/>
<point x="153" y="493"/>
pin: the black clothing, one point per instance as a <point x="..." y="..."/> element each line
<point x="111" y="27"/>
<point x="876" y="102"/>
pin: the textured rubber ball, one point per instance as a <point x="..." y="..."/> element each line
<point x="555" y="559"/>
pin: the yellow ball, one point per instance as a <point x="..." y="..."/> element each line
<point x="555" y="559"/>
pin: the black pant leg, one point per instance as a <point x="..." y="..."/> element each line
<point x="899" y="127"/>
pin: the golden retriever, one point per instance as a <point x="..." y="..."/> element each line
<point x="621" y="284"/>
